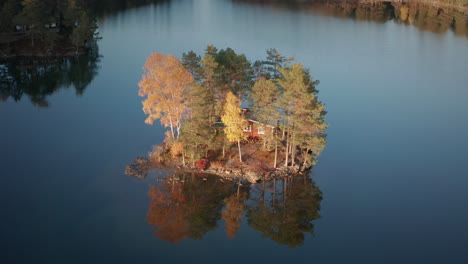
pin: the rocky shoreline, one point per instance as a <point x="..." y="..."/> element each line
<point x="141" y="166"/>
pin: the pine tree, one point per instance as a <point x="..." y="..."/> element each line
<point x="234" y="72"/>
<point x="191" y="62"/>
<point x="7" y="12"/>
<point x="304" y="115"/>
<point x="274" y="62"/>
<point x="34" y="17"/>
<point x="294" y="100"/>
<point x="264" y="97"/>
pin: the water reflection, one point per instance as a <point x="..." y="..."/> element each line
<point x="39" y="79"/>
<point x="438" y="18"/>
<point x="187" y="206"/>
<point x="191" y="205"/>
<point x="285" y="209"/>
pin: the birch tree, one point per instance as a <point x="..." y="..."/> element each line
<point x="164" y="83"/>
<point x="233" y="121"/>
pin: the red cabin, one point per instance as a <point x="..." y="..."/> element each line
<point x="254" y="129"/>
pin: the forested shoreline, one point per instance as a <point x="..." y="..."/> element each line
<point x="46" y="28"/>
<point x="433" y="16"/>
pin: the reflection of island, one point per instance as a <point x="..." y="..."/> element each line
<point x="38" y="81"/>
<point x="189" y="206"/>
<point x="432" y="16"/>
<point x="285" y="209"/>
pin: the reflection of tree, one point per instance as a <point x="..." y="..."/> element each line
<point x="41" y="80"/>
<point x="285" y="216"/>
<point x="433" y="16"/>
<point x="168" y="213"/>
<point x="232" y="215"/>
<point x="187" y="206"/>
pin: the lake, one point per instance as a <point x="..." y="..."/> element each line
<point x="390" y="187"/>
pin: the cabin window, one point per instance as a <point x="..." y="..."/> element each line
<point x="247" y="128"/>
<point x="261" y="130"/>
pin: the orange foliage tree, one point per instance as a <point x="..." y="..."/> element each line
<point x="165" y="83"/>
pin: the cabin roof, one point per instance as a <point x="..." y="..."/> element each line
<point x="248" y="115"/>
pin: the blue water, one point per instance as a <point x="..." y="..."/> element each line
<point x="393" y="175"/>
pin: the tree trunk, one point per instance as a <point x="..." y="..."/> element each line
<point x="172" y="127"/>
<point x="178" y="129"/>
<point x="276" y="153"/>
<point x="305" y="159"/>
<point x="292" y="144"/>
<point x="293" y="151"/>
<point x="240" y="153"/>
<point x="224" y="149"/>
<point x="287" y="148"/>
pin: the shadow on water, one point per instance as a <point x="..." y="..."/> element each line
<point x="189" y="205"/>
<point x="435" y="17"/>
<point x="39" y="79"/>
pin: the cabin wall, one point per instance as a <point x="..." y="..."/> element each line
<point x="254" y="130"/>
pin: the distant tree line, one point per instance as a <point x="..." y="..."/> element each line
<point x="200" y="100"/>
<point x="436" y="16"/>
<point x="448" y="2"/>
<point x="104" y="7"/>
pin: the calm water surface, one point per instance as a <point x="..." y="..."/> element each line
<point x="393" y="176"/>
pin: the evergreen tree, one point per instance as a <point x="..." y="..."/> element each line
<point x="8" y="11"/>
<point x="34" y="17"/>
<point x="234" y="72"/>
<point x="192" y="62"/>
<point x="264" y="98"/>
<point x="274" y="62"/>
<point x="84" y="31"/>
<point x="304" y="115"/>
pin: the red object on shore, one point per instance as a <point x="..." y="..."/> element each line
<point x="202" y="164"/>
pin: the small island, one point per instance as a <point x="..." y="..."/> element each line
<point x="229" y="117"/>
